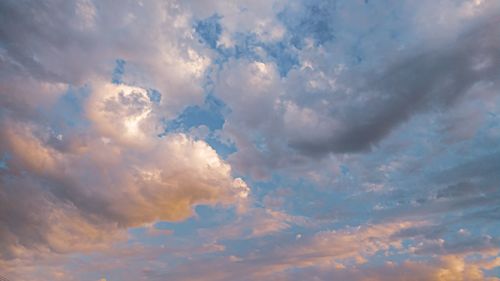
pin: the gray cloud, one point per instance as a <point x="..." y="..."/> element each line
<point x="433" y="79"/>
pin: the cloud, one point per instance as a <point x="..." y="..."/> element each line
<point x="327" y="105"/>
<point x="327" y="249"/>
<point x="82" y="159"/>
<point x="342" y="254"/>
<point x="81" y="40"/>
<point x="435" y="77"/>
<point x="79" y="190"/>
<point x="442" y="269"/>
<point x="255" y="223"/>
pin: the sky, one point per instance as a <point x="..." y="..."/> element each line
<point x="319" y="140"/>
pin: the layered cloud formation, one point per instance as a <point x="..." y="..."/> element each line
<point x="251" y="140"/>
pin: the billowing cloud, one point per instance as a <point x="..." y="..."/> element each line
<point x="74" y="192"/>
<point x="82" y="157"/>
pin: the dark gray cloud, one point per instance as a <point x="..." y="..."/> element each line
<point x="433" y="79"/>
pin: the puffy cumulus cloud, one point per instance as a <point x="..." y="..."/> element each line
<point x="123" y="113"/>
<point x="81" y="157"/>
<point x="76" y="192"/>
